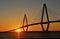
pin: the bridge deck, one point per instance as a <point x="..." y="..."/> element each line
<point x="35" y="24"/>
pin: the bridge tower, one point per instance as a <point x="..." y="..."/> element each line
<point x="25" y="20"/>
<point x="44" y="8"/>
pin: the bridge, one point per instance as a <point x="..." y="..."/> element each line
<point x="42" y="26"/>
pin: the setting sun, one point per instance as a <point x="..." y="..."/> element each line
<point x="18" y="30"/>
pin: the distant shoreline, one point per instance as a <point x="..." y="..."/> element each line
<point x="33" y="32"/>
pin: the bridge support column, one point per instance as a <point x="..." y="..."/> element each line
<point x="25" y="19"/>
<point x="44" y="7"/>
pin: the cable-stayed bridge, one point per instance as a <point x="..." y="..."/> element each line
<point x="33" y="34"/>
<point x="42" y="17"/>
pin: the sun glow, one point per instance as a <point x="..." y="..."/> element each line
<point x="18" y="30"/>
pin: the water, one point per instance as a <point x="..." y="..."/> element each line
<point x="15" y="35"/>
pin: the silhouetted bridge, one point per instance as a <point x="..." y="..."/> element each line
<point x="33" y="34"/>
<point x="48" y="22"/>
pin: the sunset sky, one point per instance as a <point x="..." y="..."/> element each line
<point x="12" y="13"/>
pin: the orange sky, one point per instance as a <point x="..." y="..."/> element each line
<point x="53" y="27"/>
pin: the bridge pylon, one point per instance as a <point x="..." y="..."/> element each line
<point x="47" y="17"/>
<point x="25" y="20"/>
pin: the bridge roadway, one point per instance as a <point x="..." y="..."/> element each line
<point x="35" y="24"/>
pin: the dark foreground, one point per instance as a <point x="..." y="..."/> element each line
<point x="29" y="35"/>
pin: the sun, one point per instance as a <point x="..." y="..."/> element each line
<point x="18" y="30"/>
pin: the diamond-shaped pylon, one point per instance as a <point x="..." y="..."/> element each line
<point x="25" y="20"/>
<point x="45" y="8"/>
